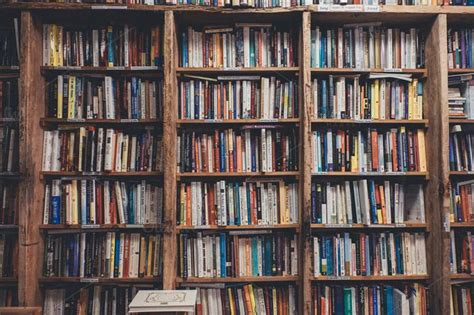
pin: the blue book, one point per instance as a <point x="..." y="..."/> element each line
<point x="134" y="98"/>
<point x="196" y="99"/>
<point x="253" y="156"/>
<point x="398" y="246"/>
<point x="76" y="243"/>
<point x="223" y="255"/>
<point x="184" y="47"/>
<point x="55" y="209"/>
<point x="376" y="302"/>
<point x="237" y="204"/>
<point x="373" y="203"/>
<point x="389" y="300"/>
<point x="131" y="202"/>
<point x="222" y="151"/>
<point x="254" y="257"/>
<point x="324" y="99"/>
<point x="322" y="56"/>
<point x="367" y="257"/>
<point x="249" y="213"/>
<point x="110" y="47"/>
<point x="329" y="256"/>
<point x="117" y="254"/>
<point x="268" y="257"/>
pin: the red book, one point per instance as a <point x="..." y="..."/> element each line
<point x="126" y="256"/>
<point x="99" y="217"/>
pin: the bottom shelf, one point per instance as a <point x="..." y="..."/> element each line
<point x="239" y="279"/>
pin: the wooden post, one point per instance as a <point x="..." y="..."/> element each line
<point x="170" y="249"/>
<point x="306" y="115"/>
<point x="437" y="206"/>
<point x="30" y="192"/>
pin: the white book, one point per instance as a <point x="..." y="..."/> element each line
<point x="95" y="48"/>
<point x="109" y="149"/>
<point x="47" y="149"/>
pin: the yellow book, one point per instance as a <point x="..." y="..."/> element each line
<point x="112" y="256"/>
<point x="151" y="246"/>
<point x="231" y="299"/>
<point x="411" y="101"/>
<point x="60" y="46"/>
<point x="355" y="158"/>
<point x="71" y="108"/>
<point x="283" y="205"/>
<point x="376" y="100"/>
<point x="141" y="271"/>
<point x="252" y="299"/>
<point x="53" y="46"/>
<point x="59" y="112"/>
<point x="182" y="203"/>
<point x="421" y="150"/>
<point x="382" y="217"/>
<point x="274" y="299"/>
<point x="74" y="210"/>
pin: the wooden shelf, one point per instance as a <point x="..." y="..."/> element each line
<point x="238" y="227"/>
<point x="9" y="69"/>
<point x="99" y="122"/>
<point x="8" y="280"/>
<point x="10" y="176"/>
<point x="461" y="276"/>
<point x="457" y="121"/>
<point x="240" y="174"/>
<point x="423" y="122"/>
<point x="76" y="228"/>
<point x="65" y="280"/>
<point x="460" y="71"/>
<point x="237" y="121"/>
<point x="8" y="227"/>
<point x="239" y="279"/>
<point x="461" y="173"/>
<point x="223" y="71"/>
<point x="372" y="174"/>
<point x="404" y="226"/>
<point x="421" y="72"/>
<point x="91" y="69"/>
<point x="102" y="174"/>
<point x="461" y="225"/>
<point x="373" y="278"/>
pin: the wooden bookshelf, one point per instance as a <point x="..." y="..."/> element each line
<point x="434" y="20"/>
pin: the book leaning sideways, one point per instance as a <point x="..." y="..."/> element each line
<point x="163" y="301"/>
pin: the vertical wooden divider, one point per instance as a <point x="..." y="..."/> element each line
<point x="30" y="192"/>
<point x="305" y="82"/>
<point x="437" y="155"/>
<point x="170" y="248"/>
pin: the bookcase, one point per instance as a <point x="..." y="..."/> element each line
<point x="174" y="77"/>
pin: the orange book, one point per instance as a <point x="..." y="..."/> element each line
<point x="394" y="150"/>
<point x="238" y="145"/>
<point x="382" y="204"/>
<point x="375" y="150"/>
<point x="248" y="303"/>
<point x="113" y="206"/>
<point x="126" y="256"/>
<point x="236" y="255"/>
<point x="253" y="203"/>
<point x="216" y="152"/>
<point x="218" y="113"/>
<point x="188" y="205"/>
<point x="141" y="271"/>
<point x="204" y="153"/>
<point x="211" y="206"/>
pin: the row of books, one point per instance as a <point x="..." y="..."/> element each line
<point x="90" y="300"/>
<point x="460" y="48"/>
<point x="351" y="97"/>
<point x="9" y="44"/>
<point x="461" y="145"/>
<point x="376" y="254"/>
<point x="367" y="46"/>
<point x="108" y="46"/>
<point x="462" y="298"/>
<point x="248" y="149"/>
<point x="238" y="97"/>
<point x="102" y="202"/>
<point x="462" y="252"/>
<point x="238" y="203"/>
<point x="461" y="96"/>
<point x="462" y="201"/>
<point x="9" y="149"/>
<point x="247" y="299"/>
<point x="8" y="297"/>
<point x="103" y="255"/>
<point x="367" y="202"/>
<point x="91" y="149"/>
<point x="82" y="97"/>
<point x="8" y="98"/>
<point x="8" y="213"/>
<point x="241" y="45"/>
<point x="233" y="255"/>
<point x="375" y="299"/>
<point x="8" y="255"/>
<point x="372" y="150"/>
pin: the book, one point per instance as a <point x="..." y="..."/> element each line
<point x="235" y="255"/>
<point x="107" y="46"/>
<point x="103" y="255"/>
<point x="109" y="97"/>
<point x="367" y="46"/>
<point x="367" y="202"/>
<point x="379" y="299"/>
<point x="8" y="204"/>
<point x="243" y="45"/>
<point x="8" y="297"/>
<point x="92" y="201"/>
<point x="92" y="149"/>
<point x="246" y="149"/>
<point x="9" y="154"/>
<point x="352" y="97"/>
<point x="9" y="50"/>
<point x="237" y="203"/>
<point x="9" y="98"/>
<point x="461" y="148"/>
<point x="461" y="298"/>
<point x="240" y="97"/>
<point x="372" y="150"/>
<point x="462" y="252"/>
<point x="232" y="299"/>
<point x="460" y="47"/>
<point x="8" y="255"/>
<point x="163" y="300"/>
<point x="369" y="254"/>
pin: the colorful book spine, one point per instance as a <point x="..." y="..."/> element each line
<point x="462" y="252"/>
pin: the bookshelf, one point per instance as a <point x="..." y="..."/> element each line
<point x="434" y="21"/>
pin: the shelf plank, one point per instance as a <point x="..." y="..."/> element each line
<point x="76" y="228"/>
<point x="99" y="122"/>
<point x="461" y="225"/>
<point x="460" y="71"/>
<point x="462" y="276"/>
<point x="238" y="121"/>
<point x="373" y="278"/>
<point x="261" y="70"/>
<point x="65" y="280"/>
<point x="8" y="280"/>
<point x="238" y="227"/>
<point x="9" y="69"/>
<point x="369" y="227"/>
<point x="423" y="122"/>
<point x="8" y="227"/>
<point x="238" y="174"/>
<point x="457" y="121"/>
<point x="239" y="279"/>
<point x="54" y="174"/>
<point x="421" y="72"/>
<point x="91" y="69"/>
<point x="372" y="174"/>
<point x="461" y="173"/>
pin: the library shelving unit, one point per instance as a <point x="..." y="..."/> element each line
<point x="431" y="20"/>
